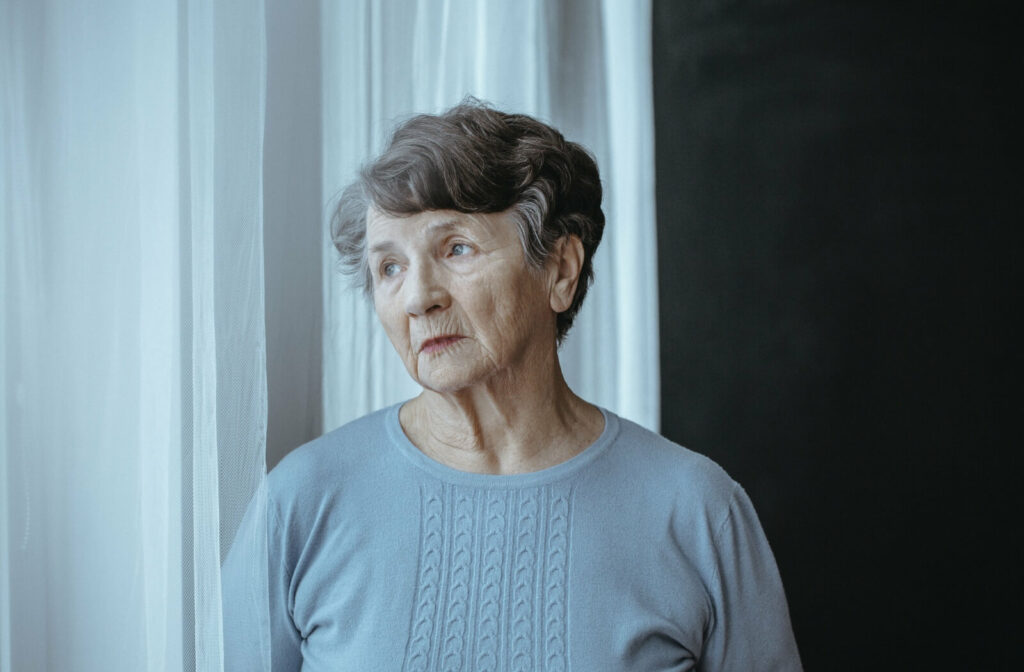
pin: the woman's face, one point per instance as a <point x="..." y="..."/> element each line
<point x="456" y="296"/>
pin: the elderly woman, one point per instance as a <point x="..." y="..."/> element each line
<point x="498" y="521"/>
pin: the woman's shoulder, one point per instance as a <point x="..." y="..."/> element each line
<point x="340" y="454"/>
<point x="659" y="462"/>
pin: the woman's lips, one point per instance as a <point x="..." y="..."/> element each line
<point x="438" y="344"/>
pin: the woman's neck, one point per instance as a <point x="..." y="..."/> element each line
<point x="506" y="426"/>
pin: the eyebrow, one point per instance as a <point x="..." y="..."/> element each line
<point x="432" y="227"/>
<point x="385" y="246"/>
<point x="442" y="225"/>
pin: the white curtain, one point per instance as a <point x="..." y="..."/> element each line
<point x="133" y="394"/>
<point x="132" y="375"/>
<point x="583" y="66"/>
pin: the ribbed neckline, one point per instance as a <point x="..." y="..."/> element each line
<point x="504" y="481"/>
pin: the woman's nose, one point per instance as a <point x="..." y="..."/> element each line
<point x="424" y="290"/>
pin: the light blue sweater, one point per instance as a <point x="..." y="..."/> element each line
<point x="637" y="554"/>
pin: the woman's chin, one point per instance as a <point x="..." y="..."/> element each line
<point x="443" y="385"/>
<point x="449" y="380"/>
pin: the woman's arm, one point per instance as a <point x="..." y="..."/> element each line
<point x="259" y="634"/>
<point x="751" y="631"/>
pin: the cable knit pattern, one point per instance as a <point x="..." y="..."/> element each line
<point x="556" y="585"/>
<point x="525" y="556"/>
<point x="428" y="584"/>
<point x="492" y="586"/>
<point x="459" y="583"/>
<point x="489" y="618"/>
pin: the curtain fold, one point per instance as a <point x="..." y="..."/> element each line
<point x="225" y="102"/>
<point x="629" y="172"/>
<point x="582" y="66"/>
<point x="132" y="375"/>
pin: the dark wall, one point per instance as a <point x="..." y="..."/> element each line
<point x="838" y="244"/>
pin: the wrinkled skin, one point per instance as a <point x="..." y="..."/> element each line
<point x="476" y="326"/>
<point x="444" y="273"/>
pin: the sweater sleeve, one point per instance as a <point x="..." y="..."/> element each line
<point x="259" y="633"/>
<point x="751" y="631"/>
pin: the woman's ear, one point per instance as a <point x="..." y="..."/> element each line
<point x="567" y="261"/>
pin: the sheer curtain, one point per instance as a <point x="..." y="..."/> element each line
<point x="133" y="393"/>
<point x="132" y="376"/>
<point x="583" y="66"/>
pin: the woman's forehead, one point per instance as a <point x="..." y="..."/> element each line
<point x="383" y="229"/>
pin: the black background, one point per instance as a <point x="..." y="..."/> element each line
<point x="838" y="235"/>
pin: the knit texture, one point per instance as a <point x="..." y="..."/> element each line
<point x="493" y="570"/>
<point x="636" y="554"/>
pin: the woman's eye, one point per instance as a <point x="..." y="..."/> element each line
<point x="389" y="270"/>
<point x="459" y="249"/>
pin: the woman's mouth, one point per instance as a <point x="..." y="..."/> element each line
<point x="438" y="344"/>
